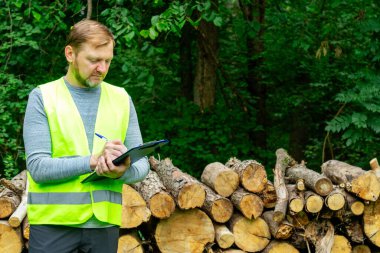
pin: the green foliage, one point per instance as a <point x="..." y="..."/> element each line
<point x="320" y="61"/>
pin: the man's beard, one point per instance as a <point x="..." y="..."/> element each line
<point x="85" y="82"/>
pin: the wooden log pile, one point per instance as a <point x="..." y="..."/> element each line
<point x="233" y="207"/>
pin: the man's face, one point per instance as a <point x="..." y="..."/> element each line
<point x="90" y="64"/>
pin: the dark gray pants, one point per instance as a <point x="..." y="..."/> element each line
<point x="63" y="239"/>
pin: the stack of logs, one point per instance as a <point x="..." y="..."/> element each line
<point x="234" y="208"/>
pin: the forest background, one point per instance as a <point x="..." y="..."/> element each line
<point x="220" y="79"/>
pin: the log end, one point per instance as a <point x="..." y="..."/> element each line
<point x="191" y="196"/>
<point x="324" y="186"/>
<point x="222" y="210"/>
<point x="162" y="205"/>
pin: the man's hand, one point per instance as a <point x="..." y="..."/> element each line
<point x="105" y="167"/>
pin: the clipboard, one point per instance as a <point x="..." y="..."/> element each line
<point x="135" y="153"/>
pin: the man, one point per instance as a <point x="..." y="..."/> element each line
<point x="61" y="120"/>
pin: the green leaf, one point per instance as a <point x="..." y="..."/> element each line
<point x="218" y="21"/>
<point x="36" y="15"/>
<point x="152" y="33"/>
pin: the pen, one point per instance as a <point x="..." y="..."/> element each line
<point x="101" y="136"/>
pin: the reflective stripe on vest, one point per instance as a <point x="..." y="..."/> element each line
<point x="71" y="202"/>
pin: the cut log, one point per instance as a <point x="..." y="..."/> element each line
<point x="10" y="197"/>
<point x="17" y="184"/>
<point x="187" y="191"/>
<point x="361" y="249"/>
<point x="354" y="204"/>
<point x="248" y="203"/>
<point x="300" y="184"/>
<point x="363" y="184"/>
<point x="283" y="160"/>
<point x="298" y="220"/>
<point x="10" y="238"/>
<point x="160" y="202"/>
<point x="375" y="167"/>
<point x="185" y="231"/>
<point x="19" y="214"/>
<point x="354" y="231"/>
<point x="314" y="202"/>
<point x="321" y="234"/>
<point x="371" y="222"/>
<point x="341" y="245"/>
<point x="252" y="174"/>
<point x="130" y="243"/>
<point x="280" y="247"/>
<point x="282" y="230"/>
<point x="134" y="209"/>
<point x="221" y="179"/>
<point x="335" y="199"/>
<point x="25" y="228"/>
<point x="223" y="236"/>
<point x="296" y="199"/>
<point x="315" y="181"/>
<point x="268" y="195"/>
<point x="250" y="235"/>
<point x="219" y="208"/>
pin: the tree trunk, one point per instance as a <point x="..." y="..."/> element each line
<point x="296" y="199"/>
<point x="10" y="196"/>
<point x="335" y="199"/>
<point x="321" y="234"/>
<point x="185" y="231"/>
<point x="206" y="66"/>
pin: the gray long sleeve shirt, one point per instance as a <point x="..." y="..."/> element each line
<point x="43" y="168"/>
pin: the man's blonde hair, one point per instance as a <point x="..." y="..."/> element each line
<point x="89" y="31"/>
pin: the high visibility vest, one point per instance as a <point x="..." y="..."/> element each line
<point x="71" y="202"/>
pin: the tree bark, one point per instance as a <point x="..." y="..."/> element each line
<point x="321" y="234"/>
<point x="206" y="66"/>
<point x="186" y="190"/>
<point x="248" y="203"/>
<point x="279" y="230"/>
<point x="282" y="163"/>
<point x="160" y="202"/>
<point x="219" y="208"/>
<point x="313" y="180"/>
<point x="363" y="184"/>
<point x="268" y="195"/>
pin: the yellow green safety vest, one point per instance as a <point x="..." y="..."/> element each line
<point x="72" y="202"/>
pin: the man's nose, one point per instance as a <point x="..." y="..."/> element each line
<point x="101" y="67"/>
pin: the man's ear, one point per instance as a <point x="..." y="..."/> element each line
<point x="69" y="53"/>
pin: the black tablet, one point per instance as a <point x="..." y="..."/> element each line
<point x="134" y="153"/>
